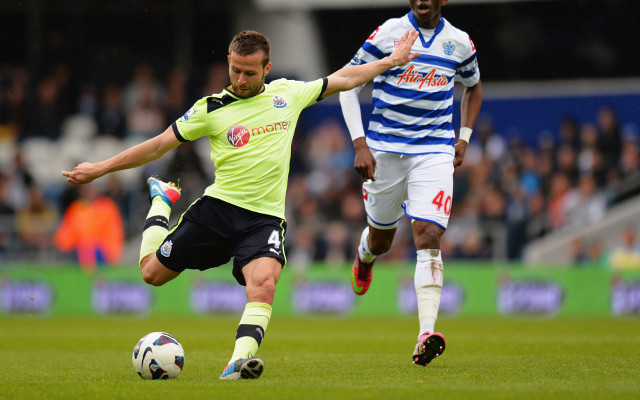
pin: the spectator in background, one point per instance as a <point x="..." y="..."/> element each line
<point x="590" y="158"/>
<point x="528" y="176"/>
<point x="336" y="241"/>
<point x="7" y="214"/>
<point x="566" y="163"/>
<point x="36" y="222"/>
<point x="88" y="100"/>
<point x="13" y="104"/>
<point x="579" y="252"/>
<point x="626" y="255"/>
<point x="146" y="117"/>
<point x="609" y="137"/>
<point x="473" y="246"/>
<point x="91" y="229"/>
<point x="586" y="204"/>
<point x="176" y="94"/>
<point x="143" y="87"/>
<point x="303" y="248"/>
<point x="217" y="78"/>
<point x="493" y="144"/>
<point x="20" y="181"/>
<point x="144" y="103"/>
<point x="46" y="113"/>
<point x="111" y="117"/>
<point x="630" y="156"/>
<point x="538" y="223"/>
<point x="516" y="221"/>
<point x="570" y="133"/>
<point x="558" y="196"/>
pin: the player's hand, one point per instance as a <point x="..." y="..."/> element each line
<point x="82" y="173"/>
<point x="461" y="148"/>
<point x="364" y="162"/>
<point x="402" y="54"/>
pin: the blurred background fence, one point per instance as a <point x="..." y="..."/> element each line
<point x="551" y="177"/>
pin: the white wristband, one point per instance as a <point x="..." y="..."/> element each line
<point x="465" y="133"/>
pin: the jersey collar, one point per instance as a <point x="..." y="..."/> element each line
<point x="438" y="29"/>
<point x="228" y="89"/>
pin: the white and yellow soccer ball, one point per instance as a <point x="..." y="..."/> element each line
<point x="158" y="355"/>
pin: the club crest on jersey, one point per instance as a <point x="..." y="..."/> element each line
<point x="357" y="59"/>
<point x="279" y="102"/>
<point x="188" y="114"/>
<point x="165" y="250"/>
<point x="448" y="47"/>
<point x="238" y="135"/>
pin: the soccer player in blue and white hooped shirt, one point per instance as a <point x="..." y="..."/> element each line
<point x="409" y="151"/>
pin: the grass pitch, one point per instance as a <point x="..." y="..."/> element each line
<point x="326" y="358"/>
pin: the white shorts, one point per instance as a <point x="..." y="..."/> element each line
<point x="420" y="186"/>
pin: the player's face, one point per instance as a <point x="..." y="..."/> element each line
<point x="247" y="73"/>
<point x="427" y="12"/>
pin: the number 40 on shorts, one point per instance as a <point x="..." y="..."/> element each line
<point x="443" y="204"/>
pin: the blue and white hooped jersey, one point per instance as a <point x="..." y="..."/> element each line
<point x="413" y="103"/>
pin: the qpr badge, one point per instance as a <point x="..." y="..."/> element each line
<point x="279" y="102"/>
<point x="165" y="250"/>
<point x="448" y="47"/>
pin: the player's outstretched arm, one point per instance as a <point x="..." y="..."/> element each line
<point x="135" y="156"/>
<point x="352" y="76"/>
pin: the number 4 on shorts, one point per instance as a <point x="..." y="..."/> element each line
<point x="274" y="239"/>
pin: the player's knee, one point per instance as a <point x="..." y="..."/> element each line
<point x="150" y="275"/>
<point x="261" y="290"/>
<point x="429" y="237"/>
<point x="267" y="285"/>
<point x="151" y="278"/>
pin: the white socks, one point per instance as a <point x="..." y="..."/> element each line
<point x="363" y="248"/>
<point x="428" y="285"/>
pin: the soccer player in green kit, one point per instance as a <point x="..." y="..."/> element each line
<point x="250" y="127"/>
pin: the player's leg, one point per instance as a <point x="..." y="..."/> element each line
<point x="383" y="205"/>
<point x="156" y="227"/>
<point x="428" y="280"/>
<point x="260" y="274"/>
<point x="430" y="187"/>
<point x="373" y="242"/>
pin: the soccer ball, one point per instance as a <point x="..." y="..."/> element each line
<point x="158" y="355"/>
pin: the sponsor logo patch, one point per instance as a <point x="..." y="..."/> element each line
<point x="238" y="135"/>
<point x="430" y="79"/>
<point x="188" y="114"/>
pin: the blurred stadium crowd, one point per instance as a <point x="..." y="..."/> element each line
<point x="506" y="193"/>
<point x="73" y="88"/>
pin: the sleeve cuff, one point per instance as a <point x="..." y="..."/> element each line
<point x="177" y="133"/>
<point x="325" y="82"/>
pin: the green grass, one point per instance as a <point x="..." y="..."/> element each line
<point x="326" y="358"/>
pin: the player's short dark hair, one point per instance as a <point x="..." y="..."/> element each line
<point x="249" y="42"/>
